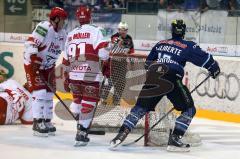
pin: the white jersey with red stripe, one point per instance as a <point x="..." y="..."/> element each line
<point x="84" y="48"/>
<point x="18" y="102"/>
<point x="46" y="43"/>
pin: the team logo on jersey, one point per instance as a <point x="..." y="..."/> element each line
<point x="90" y="89"/>
<point x="55" y="49"/>
<point x="60" y="38"/>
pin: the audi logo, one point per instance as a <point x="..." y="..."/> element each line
<point x="225" y="86"/>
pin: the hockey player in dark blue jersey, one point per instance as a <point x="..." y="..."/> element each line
<point x="167" y="59"/>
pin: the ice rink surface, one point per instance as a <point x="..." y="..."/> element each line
<point x="220" y="140"/>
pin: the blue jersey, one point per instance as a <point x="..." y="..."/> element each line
<point x="176" y="52"/>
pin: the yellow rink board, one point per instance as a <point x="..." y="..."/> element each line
<point x="202" y="113"/>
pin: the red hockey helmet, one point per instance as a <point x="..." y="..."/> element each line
<point x="83" y="15"/>
<point x="58" y="12"/>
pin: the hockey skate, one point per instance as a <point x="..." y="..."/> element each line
<point x="39" y="128"/>
<point x="121" y="136"/>
<point x="51" y="127"/>
<point x="81" y="138"/>
<point x="176" y="145"/>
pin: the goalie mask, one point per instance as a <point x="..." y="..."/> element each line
<point x="123" y="29"/>
<point x="178" y="28"/>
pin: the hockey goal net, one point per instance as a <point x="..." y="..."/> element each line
<point x="128" y="76"/>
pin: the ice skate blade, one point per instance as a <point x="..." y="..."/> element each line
<point x="113" y="145"/>
<point x="178" y="149"/>
<point x="51" y="133"/>
<point x="35" y="133"/>
<point x="80" y="143"/>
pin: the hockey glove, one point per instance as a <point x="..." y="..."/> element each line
<point x="36" y="63"/>
<point x="214" y="70"/>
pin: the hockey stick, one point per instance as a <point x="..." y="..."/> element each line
<point x="66" y="107"/>
<point x="135" y="141"/>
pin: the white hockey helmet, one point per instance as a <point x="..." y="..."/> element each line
<point x="123" y="25"/>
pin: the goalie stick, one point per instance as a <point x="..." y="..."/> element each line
<point x="94" y="132"/>
<point x="135" y="141"/>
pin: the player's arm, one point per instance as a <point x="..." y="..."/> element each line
<point x="131" y="47"/>
<point x="34" y="44"/>
<point x="104" y="57"/>
<point x="101" y="45"/>
<point x="153" y="55"/>
<point x="66" y="65"/>
<point x="203" y="59"/>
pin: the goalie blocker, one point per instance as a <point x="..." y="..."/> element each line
<point x="165" y="78"/>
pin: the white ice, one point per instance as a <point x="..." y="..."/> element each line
<point x="221" y="140"/>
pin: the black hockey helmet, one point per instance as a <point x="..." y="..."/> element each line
<point x="178" y="28"/>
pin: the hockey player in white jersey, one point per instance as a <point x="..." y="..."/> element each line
<point x="42" y="50"/>
<point x="15" y="102"/>
<point x="85" y="48"/>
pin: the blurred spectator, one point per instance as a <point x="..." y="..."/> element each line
<point x="234" y="5"/>
<point x="238" y="4"/>
<point x="113" y="3"/>
<point x="191" y="4"/>
<point x="77" y="2"/>
<point x="109" y="4"/>
<point x="99" y="4"/>
<point x="230" y="5"/>
<point x="55" y="3"/>
<point x="172" y="4"/>
<point x="210" y="4"/>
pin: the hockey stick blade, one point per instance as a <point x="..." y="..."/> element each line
<point x="97" y="132"/>
<point x="135" y="141"/>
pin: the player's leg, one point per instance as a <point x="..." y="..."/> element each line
<point x="142" y="106"/>
<point x="48" y="113"/>
<point x="49" y="76"/>
<point x="182" y="101"/>
<point x="85" y="104"/>
<point x="38" y="90"/>
<point x="27" y="116"/>
<point x="38" y="105"/>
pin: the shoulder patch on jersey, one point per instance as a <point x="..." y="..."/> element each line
<point x="41" y="31"/>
